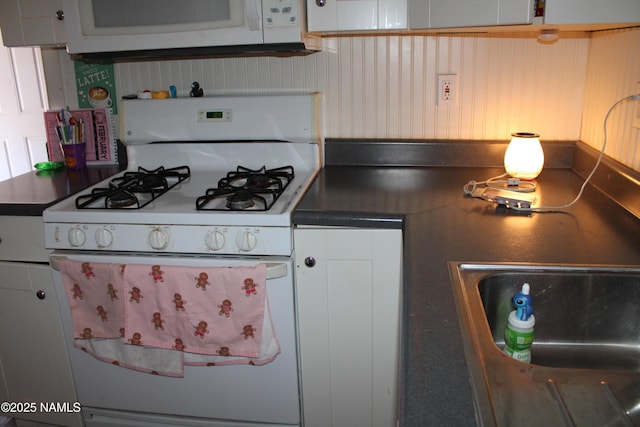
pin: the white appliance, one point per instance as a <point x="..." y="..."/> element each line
<point x="121" y="25"/>
<point x="200" y="146"/>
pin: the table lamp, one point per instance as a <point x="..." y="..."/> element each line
<point x="524" y="157"/>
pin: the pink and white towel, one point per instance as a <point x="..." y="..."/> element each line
<point x="95" y="298"/>
<point x="156" y="318"/>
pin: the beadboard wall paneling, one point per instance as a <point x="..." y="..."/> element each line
<point x="613" y="69"/>
<point x="385" y="86"/>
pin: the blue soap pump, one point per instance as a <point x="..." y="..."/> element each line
<point x="519" y="335"/>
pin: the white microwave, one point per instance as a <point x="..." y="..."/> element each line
<point x="144" y="25"/>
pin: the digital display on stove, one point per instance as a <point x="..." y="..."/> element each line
<point x="221" y="115"/>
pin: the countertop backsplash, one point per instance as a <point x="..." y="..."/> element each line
<point x="384" y="87"/>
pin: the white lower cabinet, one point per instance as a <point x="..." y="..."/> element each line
<point x="348" y="290"/>
<point x="34" y="367"/>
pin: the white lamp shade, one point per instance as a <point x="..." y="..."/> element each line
<point x="524" y="157"/>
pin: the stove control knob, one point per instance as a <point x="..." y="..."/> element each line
<point x="104" y="238"/>
<point x="76" y="237"/>
<point x="214" y="240"/>
<point x="246" y="241"/>
<point x="158" y="239"/>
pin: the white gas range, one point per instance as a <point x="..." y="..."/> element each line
<point x="211" y="184"/>
<point x="265" y="149"/>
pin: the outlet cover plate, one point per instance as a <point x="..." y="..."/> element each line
<point x="447" y="90"/>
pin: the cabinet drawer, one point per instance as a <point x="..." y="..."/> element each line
<point x="14" y="276"/>
<point x="22" y="239"/>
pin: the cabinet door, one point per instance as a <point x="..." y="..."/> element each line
<point x="31" y="23"/>
<point x="345" y="15"/>
<point x="468" y="13"/>
<point x="33" y="359"/>
<point x="349" y="325"/>
<point x="338" y="15"/>
<point x="591" y="11"/>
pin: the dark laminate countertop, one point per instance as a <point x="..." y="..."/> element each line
<point x="441" y="224"/>
<point x="31" y="193"/>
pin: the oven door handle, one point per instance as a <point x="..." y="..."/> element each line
<point x="275" y="270"/>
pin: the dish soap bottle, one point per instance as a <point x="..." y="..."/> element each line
<point x="518" y="335"/>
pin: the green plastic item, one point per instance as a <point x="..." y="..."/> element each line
<point x="48" y="166"/>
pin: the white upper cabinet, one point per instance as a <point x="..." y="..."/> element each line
<point x="468" y="13"/>
<point x="32" y="23"/>
<point x="357" y="15"/>
<point x="478" y="13"/>
<point x="352" y="15"/>
<point x="591" y="11"/>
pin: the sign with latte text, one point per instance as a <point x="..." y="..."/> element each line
<point x="95" y="84"/>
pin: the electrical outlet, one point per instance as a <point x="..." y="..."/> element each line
<point x="447" y="92"/>
<point x="636" y="109"/>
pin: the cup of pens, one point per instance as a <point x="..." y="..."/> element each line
<point x="71" y="135"/>
<point x="75" y="155"/>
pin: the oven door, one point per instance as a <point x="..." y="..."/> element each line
<point x="206" y="396"/>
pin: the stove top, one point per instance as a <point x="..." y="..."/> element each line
<point x="133" y="190"/>
<point x="197" y="194"/>
<point x="247" y="189"/>
<point x="242" y="189"/>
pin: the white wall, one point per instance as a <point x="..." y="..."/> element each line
<point x="384" y="86"/>
<point x="613" y="68"/>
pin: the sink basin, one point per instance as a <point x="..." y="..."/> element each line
<point x="585" y="359"/>
<point x="587" y="320"/>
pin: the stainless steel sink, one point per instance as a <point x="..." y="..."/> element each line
<point x="587" y="320"/>
<point x="585" y="360"/>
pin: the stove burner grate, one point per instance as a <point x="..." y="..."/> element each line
<point x="134" y="190"/>
<point x="246" y="189"/>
